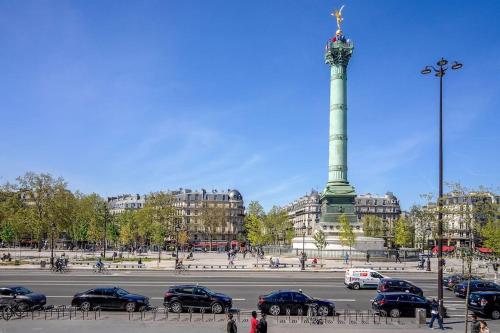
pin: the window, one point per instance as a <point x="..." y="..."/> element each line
<point x="200" y="292"/>
<point x="300" y="297"/>
<point x="186" y="290"/>
<point x="5" y="292"/>
<point x="108" y="292"/>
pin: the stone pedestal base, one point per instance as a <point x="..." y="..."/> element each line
<point x="333" y="243"/>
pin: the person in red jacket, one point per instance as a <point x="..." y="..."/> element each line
<point x="253" y="322"/>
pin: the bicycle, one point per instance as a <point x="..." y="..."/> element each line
<point x="102" y="270"/>
<point x="10" y="309"/>
<point x="180" y="268"/>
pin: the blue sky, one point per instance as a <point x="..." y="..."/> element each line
<point x="136" y="96"/>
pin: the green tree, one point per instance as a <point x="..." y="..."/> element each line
<point x="277" y="226"/>
<point x="320" y="242"/>
<point x="254" y="227"/>
<point x="347" y="236"/>
<point x="214" y="218"/>
<point x="49" y="201"/>
<point x="403" y="234"/>
<point x="373" y="226"/>
<point x="491" y="234"/>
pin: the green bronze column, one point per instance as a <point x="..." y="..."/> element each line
<point x="339" y="196"/>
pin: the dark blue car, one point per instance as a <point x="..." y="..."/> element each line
<point x="286" y="302"/>
<point x="109" y="298"/>
<point x="23" y="297"/>
<point x="460" y="289"/>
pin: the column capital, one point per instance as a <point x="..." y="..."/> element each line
<point x="338" y="53"/>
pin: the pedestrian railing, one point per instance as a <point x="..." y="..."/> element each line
<point x="203" y="315"/>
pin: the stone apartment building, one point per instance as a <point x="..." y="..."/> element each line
<point x="189" y="205"/>
<point x="304" y="213"/>
<point x="306" y="210"/>
<point x="461" y="217"/>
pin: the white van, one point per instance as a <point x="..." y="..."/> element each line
<point x="356" y="278"/>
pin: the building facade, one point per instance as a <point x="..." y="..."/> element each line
<point x="190" y="205"/>
<point x="304" y="213"/>
<point x="124" y="202"/>
<point x="463" y="214"/>
<point x="384" y="206"/>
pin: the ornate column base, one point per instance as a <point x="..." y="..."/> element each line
<point x="337" y="199"/>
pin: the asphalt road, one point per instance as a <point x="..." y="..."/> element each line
<point x="244" y="287"/>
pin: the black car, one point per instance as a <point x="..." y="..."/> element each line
<point x="109" y="298"/>
<point x="179" y="298"/>
<point x="485" y="303"/>
<point x="395" y="285"/>
<point x="400" y="304"/>
<point x="451" y="280"/>
<point x="25" y="298"/>
<point x="294" y="302"/>
<point x="460" y="289"/>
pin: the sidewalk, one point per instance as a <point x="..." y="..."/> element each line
<point x="116" y="326"/>
<point x="212" y="261"/>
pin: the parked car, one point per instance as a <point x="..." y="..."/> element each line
<point x="279" y="302"/>
<point x="485" y="303"/>
<point x="400" y="304"/>
<point x="451" y="280"/>
<point x="179" y="298"/>
<point x="357" y="278"/>
<point x="25" y="298"/>
<point x="393" y="285"/>
<point x="460" y="289"/>
<point x="109" y="298"/>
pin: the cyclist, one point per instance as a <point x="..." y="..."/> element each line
<point x="99" y="265"/>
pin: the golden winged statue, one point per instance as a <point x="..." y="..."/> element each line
<point x="338" y="14"/>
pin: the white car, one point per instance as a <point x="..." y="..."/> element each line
<point x="357" y="278"/>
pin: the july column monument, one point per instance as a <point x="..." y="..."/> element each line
<point x="339" y="196"/>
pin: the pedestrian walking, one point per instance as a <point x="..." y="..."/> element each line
<point x="262" y="326"/>
<point x="367" y="257"/>
<point x="253" y="322"/>
<point x="397" y="257"/>
<point x="435" y="315"/>
<point x="231" y="324"/>
<point x="475" y="326"/>
<point x="483" y="327"/>
<point x="346" y="258"/>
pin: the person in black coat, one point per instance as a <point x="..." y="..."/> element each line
<point x="262" y="326"/>
<point x="231" y="324"/>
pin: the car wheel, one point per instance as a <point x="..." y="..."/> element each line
<point x="323" y="311"/>
<point x="383" y="313"/>
<point x="176" y="307"/>
<point x="217" y="308"/>
<point x="495" y="314"/>
<point x="274" y="310"/>
<point x="85" y="306"/>
<point x="395" y="313"/>
<point x="130" y="307"/>
<point x="355" y="286"/>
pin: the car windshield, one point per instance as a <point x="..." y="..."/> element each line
<point x="121" y="292"/>
<point x="21" y="291"/>
<point x="208" y="291"/>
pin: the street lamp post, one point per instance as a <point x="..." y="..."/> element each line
<point x="177" y="230"/>
<point x="440" y="72"/>
<point x="428" y="231"/>
<point x="52" y="228"/>
<point x="303" y="259"/>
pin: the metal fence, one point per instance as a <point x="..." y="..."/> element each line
<point x="375" y="255"/>
<point x="198" y="315"/>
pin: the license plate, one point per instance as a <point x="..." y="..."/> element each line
<point x="473" y="303"/>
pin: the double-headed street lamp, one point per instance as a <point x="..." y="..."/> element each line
<point x="52" y="229"/>
<point x="177" y="230"/>
<point x="440" y="71"/>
